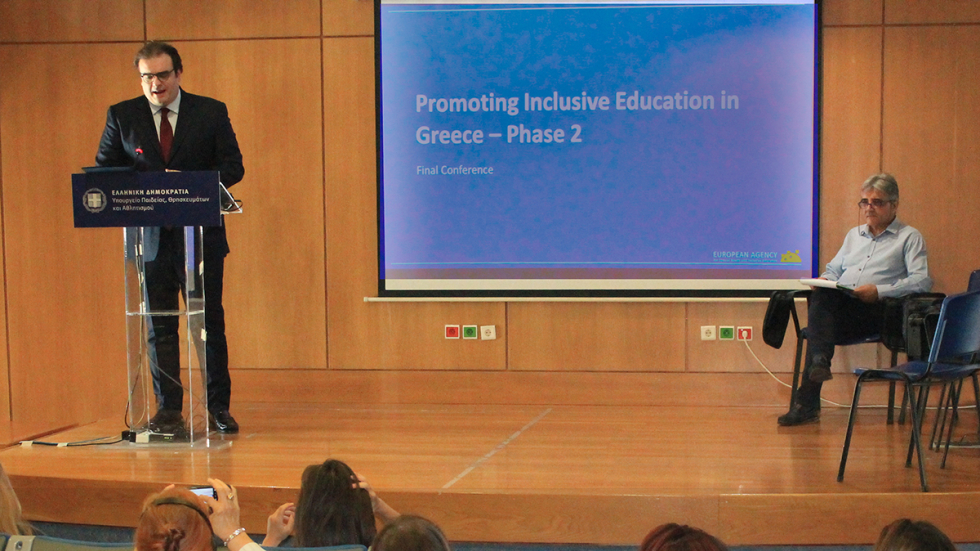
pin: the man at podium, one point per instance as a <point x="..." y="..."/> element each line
<point x="169" y="129"/>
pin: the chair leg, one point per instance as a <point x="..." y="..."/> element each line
<point x="946" y="413"/>
<point x="955" y="390"/>
<point x="891" y="403"/>
<point x="914" y="410"/>
<point x="891" y="391"/>
<point x="918" y="408"/>
<point x="901" y="412"/>
<point x="797" y="367"/>
<point x="976" y="396"/>
<point x="850" y="428"/>
<point x="936" y="438"/>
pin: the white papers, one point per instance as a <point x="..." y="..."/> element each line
<point x="826" y="284"/>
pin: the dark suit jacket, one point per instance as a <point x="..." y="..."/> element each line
<point x="203" y="140"/>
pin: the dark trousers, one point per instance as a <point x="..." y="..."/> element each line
<point x="165" y="277"/>
<point x="834" y="318"/>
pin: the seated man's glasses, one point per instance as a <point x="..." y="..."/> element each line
<point x="161" y="76"/>
<point x="876" y="203"/>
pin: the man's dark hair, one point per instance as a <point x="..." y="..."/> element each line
<point x="154" y="48"/>
<point x="908" y="535"/>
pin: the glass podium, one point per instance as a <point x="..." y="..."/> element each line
<point x="144" y="371"/>
<point x="159" y="211"/>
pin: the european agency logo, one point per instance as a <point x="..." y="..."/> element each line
<point x="757" y="257"/>
<point x="94" y="200"/>
<point x="791" y="256"/>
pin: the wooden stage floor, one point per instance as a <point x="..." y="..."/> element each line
<point x="552" y="474"/>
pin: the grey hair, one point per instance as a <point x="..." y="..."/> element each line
<point x="884" y="183"/>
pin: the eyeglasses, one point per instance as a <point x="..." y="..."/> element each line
<point x="876" y="203"/>
<point x="161" y="76"/>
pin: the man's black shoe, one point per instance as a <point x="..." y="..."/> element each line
<point x="222" y="421"/>
<point x="820" y="370"/>
<point x="799" y="415"/>
<point x="167" y="421"/>
<point x="820" y="374"/>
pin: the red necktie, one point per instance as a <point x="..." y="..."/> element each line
<point x="166" y="134"/>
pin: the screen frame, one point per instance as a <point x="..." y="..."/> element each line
<point x="698" y="291"/>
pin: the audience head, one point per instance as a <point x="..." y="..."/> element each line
<point x="11" y="519"/>
<point x="410" y="533"/>
<point x="675" y="537"/>
<point x="330" y="510"/>
<point x="908" y="535"/>
<point x="174" y="520"/>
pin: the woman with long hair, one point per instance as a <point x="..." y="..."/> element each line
<point x="335" y="507"/>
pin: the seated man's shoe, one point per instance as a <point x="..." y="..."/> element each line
<point x="820" y="370"/>
<point x="222" y="421"/>
<point x="799" y="415"/>
<point x="167" y="421"/>
<point x="820" y="374"/>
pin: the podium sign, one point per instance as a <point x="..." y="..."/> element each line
<point x="118" y="199"/>
<point x="153" y="207"/>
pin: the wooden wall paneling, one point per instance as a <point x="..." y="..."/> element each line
<point x="932" y="139"/>
<point x="583" y="336"/>
<point x="378" y="335"/>
<point x="71" y="20"/>
<point x="222" y="19"/>
<point x="64" y="285"/>
<point x="4" y="363"/>
<point x="932" y="11"/>
<point x="850" y="129"/>
<point x="412" y="336"/>
<point x="275" y="301"/>
<point x="849" y="12"/>
<point x="348" y="18"/>
<point x="733" y="356"/>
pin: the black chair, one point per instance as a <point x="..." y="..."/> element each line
<point x="957" y="343"/>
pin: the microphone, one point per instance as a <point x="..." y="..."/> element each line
<point x="139" y="163"/>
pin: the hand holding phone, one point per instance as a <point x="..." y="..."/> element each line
<point x="204" y="491"/>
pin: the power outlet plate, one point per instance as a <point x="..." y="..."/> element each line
<point x="708" y="333"/>
<point x="744" y="333"/>
<point x="726" y="333"/>
<point x="488" y="332"/>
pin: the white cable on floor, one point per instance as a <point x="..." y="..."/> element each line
<point x="831" y="402"/>
<point x="780" y="381"/>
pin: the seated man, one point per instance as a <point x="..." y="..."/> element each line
<point x="883" y="258"/>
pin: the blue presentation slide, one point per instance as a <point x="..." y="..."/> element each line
<point x="597" y="141"/>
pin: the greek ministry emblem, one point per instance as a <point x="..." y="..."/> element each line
<point x="94" y="200"/>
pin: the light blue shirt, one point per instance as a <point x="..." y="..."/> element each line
<point x="894" y="261"/>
